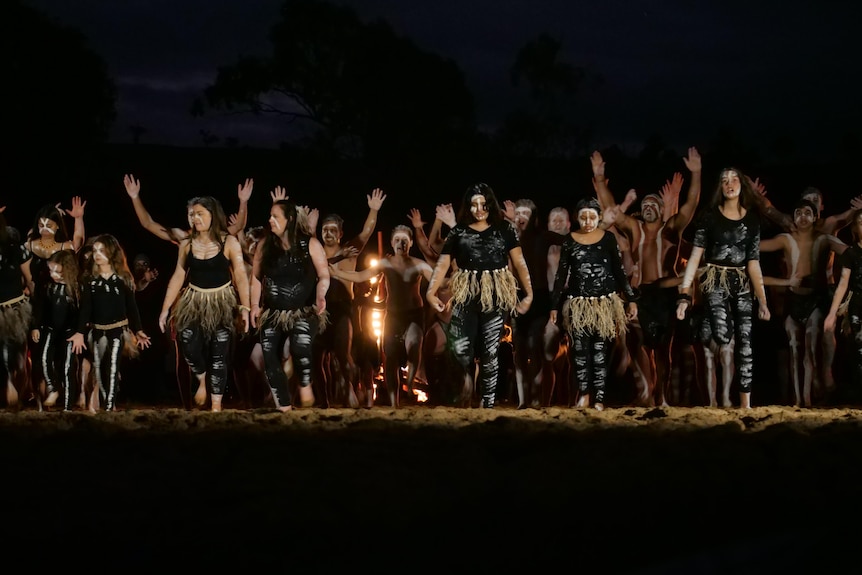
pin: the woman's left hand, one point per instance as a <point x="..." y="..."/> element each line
<point x="632" y="313"/>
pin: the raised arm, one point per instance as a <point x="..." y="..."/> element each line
<point x="243" y="192"/>
<point x="606" y="199"/>
<point x="669" y="195"/>
<point x="683" y="217"/>
<point x="782" y="220"/>
<point x="419" y="235"/>
<point x="77" y="212"/>
<point x="133" y="189"/>
<point x="375" y="201"/>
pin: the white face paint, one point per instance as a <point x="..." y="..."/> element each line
<point x="803" y="217"/>
<point x="478" y="207"/>
<point x="588" y="219"/>
<point x="816" y="200"/>
<point x="277" y="221"/>
<point x="330" y="234"/>
<point x="199" y="218"/>
<point x="522" y="217"/>
<point x="559" y="222"/>
<point x="100" y="255"/>
<point x="56" y="271"/>
<point x="650" y="210"/>
<point x="47" y="226"/>
<point x="730" y="184"/>
<point x="401" y="243"/>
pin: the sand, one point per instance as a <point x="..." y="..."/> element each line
<point x="422" y="489"/>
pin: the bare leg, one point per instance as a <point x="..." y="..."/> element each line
<point x="745" y="400"/>
<point x="583" y="400"/>
<point x="726" y="354"/>
<point x="201" y="393"/>
<point x="709" y="356"/>
<point x="793" y="337"/>
<point x="216" y="402"/>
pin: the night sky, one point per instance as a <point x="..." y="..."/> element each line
<point x="679" y="68"/>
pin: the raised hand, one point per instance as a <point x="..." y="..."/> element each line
<point x="509" y="209"/>
<point x="243" y="191"/>
<point x="693" y="161"/>
<point x="598" y="164"/>
<point x="855" y="203"/>
<point x="415" y="218"/>
<point x="669" y="195"/>
<point x="446" y="214"/>
<point x="375" y="200"/>
<point x="757" y="186"/>
<point x="630" y="198"/>
<point x="312" y="215"/>
<point x="278" y="194"/>
<point x="133" y="186"/>
<point x="232" y="220"/>
<point x="348" y="251"/>
<point x="77" y="210"/>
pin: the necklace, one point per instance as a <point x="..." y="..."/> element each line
<point x="48" y="248"/>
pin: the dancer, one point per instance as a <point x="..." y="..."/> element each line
<point x="727" y="236"/>
<point x="291" y="270"/>
<point x="483" y="288"/>
<point x="15" y="312"/>
<point x="210" y="266"/>
<point x="109" y="312"/>
<point x="587" y="288"/>
<point x="56" y="318"/>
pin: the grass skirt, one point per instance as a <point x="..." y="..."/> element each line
<point x="605" y="315"/>
<point x="493" y="288"/>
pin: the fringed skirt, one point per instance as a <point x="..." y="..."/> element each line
<point x="494" y="288"/>
<point x="130" y="340"/>
<point x="284" y="319"/>
<point x="604" y="315"/>
<point x="15" y="316"/>
<point x="206" y="309"/>
<point x="727" y="279"/>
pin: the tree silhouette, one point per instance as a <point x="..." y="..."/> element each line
<point x="63" y="96"/>
<point x="358" y="87"/>
<point x="547" y="125"/>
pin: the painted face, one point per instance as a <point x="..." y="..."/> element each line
<point x="100" y="254"/>
<point x="559" y="222"/>
<point x="200" y="218"/>
<point x="277" y="221"/>
<point x="814" y="199"/>
<point x="650" y="210"/>
<point x="56" y="271"/>
<point x="522" y="217"/>
<point x="803" y="217"/>
<point x="730" y="184"/>
<point x="401" y="243"/>
<point x="47" y="227"/>
<point x="331" y="234"/>
<point x="479" y="207"/>
<point x="588" y="219"/>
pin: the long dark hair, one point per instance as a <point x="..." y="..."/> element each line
<point x="748" y="198"/>
<point x="495" y="212"/>
<point x="218" y="225"/>
<point x="52" y="213"/>
<point x="272" y="249"/>
<point x="116" y="258"/>
<point x="69" y="260"/>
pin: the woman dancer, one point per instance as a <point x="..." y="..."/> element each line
<point x="210" y="264"/>
<point x="15" y="312"/>
<point x="587" y="287"/>
<point x="483" y="289"/>
<point x="292" y="272"/>
<point x="728" y="236"/>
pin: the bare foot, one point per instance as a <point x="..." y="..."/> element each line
<point x="52" y="398"/>
<point x="745" y="400"/>
<point x="201" y="393"/>
<point x="599" y="406"/>
<point x="583" y="401"/>
<point x="216" y="402"/>
<point x="11" y="395"/>
<point x="285" y="408"/>
<point x="306" y="396"/>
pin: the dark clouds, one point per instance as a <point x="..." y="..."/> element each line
<point x="681" y="68"/>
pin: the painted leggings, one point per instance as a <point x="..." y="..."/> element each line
<point x="588" y="356"/>
<point x="59" y="361"/>
<point x="471" y="327"/>
<point x="730" y="314"/>
<point x="272" y="337"/>
<point x="209" y="355"/>
<point x="107" y="352"/>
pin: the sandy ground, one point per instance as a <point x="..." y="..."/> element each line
<point x="421" y="489"/>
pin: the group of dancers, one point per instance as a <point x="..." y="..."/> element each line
<point x="496" y="294"/>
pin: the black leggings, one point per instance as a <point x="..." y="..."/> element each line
<point x="107" y="351"/>
<point x="730" y="315"/>
<point x="209" y="355"/>
<point x="471" y="327"/>
<point x="272" y="337"/>
<point x="855" y="318"/>
<point x="588" y="357"/>
<point x="59" y="361"/>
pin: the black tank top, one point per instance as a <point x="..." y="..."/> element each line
<point x="209" y="273"/>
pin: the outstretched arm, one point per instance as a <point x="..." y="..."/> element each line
<point x="357" y="276"/>
<point x="833" y="224"/>
<point x="243" y="192"/>
<point x="133" y="188"/>
<point x="782" y="220"/>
